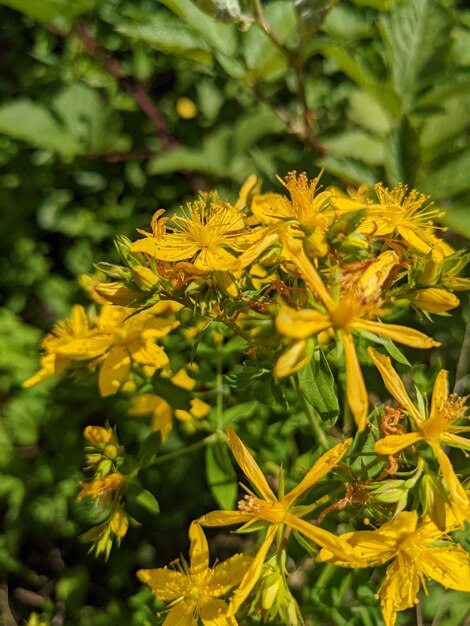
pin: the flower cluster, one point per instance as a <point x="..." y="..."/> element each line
<point x="306" y="281"/>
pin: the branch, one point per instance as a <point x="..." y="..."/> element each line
<point x="93" y="48"/>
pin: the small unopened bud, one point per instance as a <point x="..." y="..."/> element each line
<point x="117" y="294"/>
<point x="434" y="300"/>
<point x="119" y="523"/>
<point x="144" y="278"/>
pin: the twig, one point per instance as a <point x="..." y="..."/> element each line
<point x="5" y="612"/>
<point x="93" y="48"/>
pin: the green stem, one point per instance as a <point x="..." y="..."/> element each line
<point x="315" y="423"/>
<point x="202" y="443"/>
<point x="219" y="381"/>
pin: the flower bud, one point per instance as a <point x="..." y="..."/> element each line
<point x="144" y="278"/>
<point x="117" y="294"/>
<point x="434" y="300"/>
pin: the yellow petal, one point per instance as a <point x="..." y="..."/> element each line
<point x="167" y="584"/>
<point x="394" y="443"/>
<point x="270" y="207"/>
<point x="249" y="466"/>
<point x="224" y="518"/>
<point x="414" y="239"/>
<point x="293" y="251"/>
<point x="356" y="391"/>
<point x="440" y="393"/>
<point x="399" y="589"/>
<point x="321" y="537"/>
<point x="253" y="572"/>
<point x="148" y="354"/>
<point x="175" y="247"/>
<point x="394" y="383"/>
<point x="319" y="469"/>
<point x="213" y="612"/>
<point x="227" y="574"/>
<point x="435" y="300"/>
<point x="377" y="273"/>
<point x="85" y="349"/>
<point x="294" y="358"/>
<point x="301" y="324"/>
<point x="456" y="490"/>
<point x="449" y="566"/>
<point x="114" y="371"/>
<point x="182" y="614"/>
<point x="400" y="334"/>
<point x="198" y="549"/>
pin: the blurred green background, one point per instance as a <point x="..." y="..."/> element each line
<point x="112" y="109"/>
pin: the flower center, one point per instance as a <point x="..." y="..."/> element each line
<point x="273" y="512"/>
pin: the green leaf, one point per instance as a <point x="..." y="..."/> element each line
<point x="221" y="475"/>
<point x="368" y="113"/>
<point x="349" y="170"/>
<point x="356" y="144"/>
<point x="168" y="34"/>
<point x="402" y="154"/>
<point x="176" y="396"/>
<point x="48" y="10"/>
<point x="317" y="384"/>
<point x="450" y="179"/>
<point x="221" y="37"/>
<point x="224" y="10"/>
<point x="413" y="57"/>
<point x="33" y="123"/>
<point x="149" y="448"/>
<point x="148" y="501"/>
<point x="264" y="59"/>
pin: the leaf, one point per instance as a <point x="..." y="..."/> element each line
<point x="263" y="58"/>
<point x="224" y="10"/>
<point x="33" y="123"/>
<point x="221" y="37"/>
<point x="221" y="475"/>
<point x="346" y="22"/>
<point x="148" y="501"/>
<point x="413" y="57"/>
<point x="355" y="67"/>
<point x="48" y="10"/>
<point x="176" y="396"/>
<point x="449" y="179"/>
<point x="368" y="113"/>
<point x="402" y="154"/>
<point x="149" y="447"/>
<point x="317" y="384"/>
<point x="349" y="170"/>
<point x="168" y="34"/>
<point x="356" y="144"/>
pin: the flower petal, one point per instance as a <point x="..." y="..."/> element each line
<point x="394" y="383"/>
<point x="114" y="371"/>
<point x="227" y="574"/>
<point x="356" y="391"/>
<point x="213" y="612"/>
<point x="449" y="566"/>
<point x="400" y="334"/>
<point x="440" y="393"/>
<point x="456" y="490"/>
<point x="166" y="584"/>
<point x="394" y="443"/>
<point x="224" y="518"/>
<point x="319" y="469"/>
<point x="182" y="614"/>
<point x="399" y="589"/>
<point x="301" y="324"/>
<point x="252" y="574"/>
<point x="249" y="466"/>
<point x="198" y="549"/>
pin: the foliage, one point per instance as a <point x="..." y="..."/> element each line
<point x="112" y="109"/>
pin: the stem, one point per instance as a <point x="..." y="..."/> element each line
<point x="315" y="423"/>
<point x="219" y="381"/>
<point x="202" y="443"/>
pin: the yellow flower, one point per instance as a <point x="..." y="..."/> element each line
<point x="53" y="363"/>
<point x="436" y="430"/>
<point x="357" y="304"/>
<point x="274" y="512"/>
<point x="415" y="559"/>
<point x="122" y="339"/>
<point x="205" y="234"/>
<point x="311" y="210"/>
<point x="399" y="213"/>
<point x="195" y="591"/>
<point x="434" y="300"/>
<point x="101" y="487"/>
